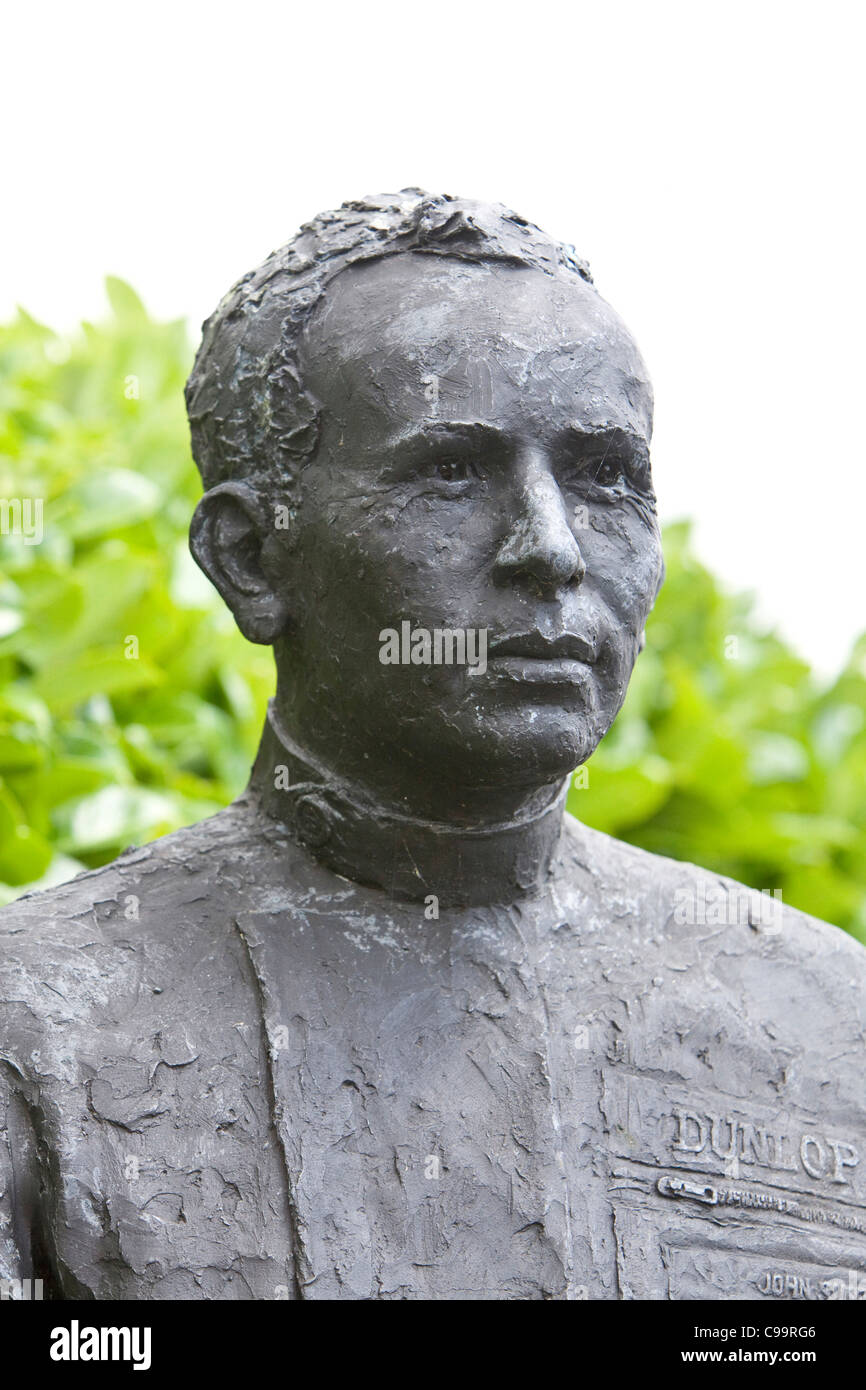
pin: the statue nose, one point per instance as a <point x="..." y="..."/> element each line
<point x="541" y="545"/>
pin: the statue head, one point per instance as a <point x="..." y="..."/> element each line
<point x="424" y="439"/>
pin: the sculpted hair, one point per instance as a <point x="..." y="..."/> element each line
<point x="250" y="418"/>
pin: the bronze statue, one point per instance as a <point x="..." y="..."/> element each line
<point x="392" y="1025"/>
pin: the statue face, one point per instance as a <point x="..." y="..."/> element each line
<point x="483" y="465"/>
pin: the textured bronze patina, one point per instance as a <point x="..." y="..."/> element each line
<point x="393" y="1025"/>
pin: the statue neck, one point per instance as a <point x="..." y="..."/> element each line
<point x="347" y="830"/>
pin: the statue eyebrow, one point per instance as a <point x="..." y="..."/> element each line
<point x="608" y="437"/>
<point x="442" y="431"/>
<point x="408" y="449"/>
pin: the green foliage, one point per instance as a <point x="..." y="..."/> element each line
<point x="130" y="705"/>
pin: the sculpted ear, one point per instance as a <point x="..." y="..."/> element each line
<point x="229" y="532"/>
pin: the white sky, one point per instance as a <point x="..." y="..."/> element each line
<point x="706" y="158"/>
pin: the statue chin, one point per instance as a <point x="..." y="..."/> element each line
<point x="527" y="751"/>
<point x="532" y="745"/>
<point x="543" y="751"/>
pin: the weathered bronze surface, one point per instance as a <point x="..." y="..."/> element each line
<point x="392" y="1025"/>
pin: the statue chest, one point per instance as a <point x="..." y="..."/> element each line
<point x="481" y="1112"/>
<point x="492" y="1106"/>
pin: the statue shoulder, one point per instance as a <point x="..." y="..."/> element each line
<point x="713" y="913"/>
<point x="722" y="979"/>
<point x="74" y="956"/>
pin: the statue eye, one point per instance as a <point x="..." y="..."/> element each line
<point x="622" y="474"/>
<point x="450" y="474"/>
<point x="452" y="470"/>
<point x="617" y="466"/>
<point x="609" y="473"/>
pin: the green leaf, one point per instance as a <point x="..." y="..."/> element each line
<point x="113" y="818"/>
<point x="124" y="302"/>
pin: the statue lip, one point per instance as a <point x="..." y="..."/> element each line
<point x="534" y="646"/>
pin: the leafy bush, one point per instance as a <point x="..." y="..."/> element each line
<point x="130" y="705"/>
